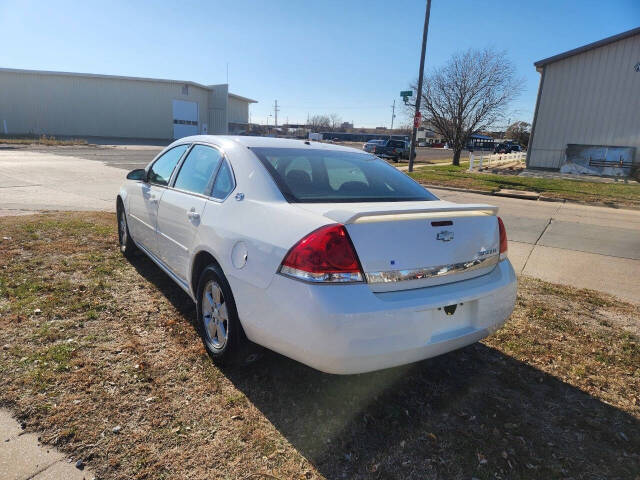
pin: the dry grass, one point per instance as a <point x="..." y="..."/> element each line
<point x="614" y="194"/>
<point x="90" y="341"/>
<point x="39" y="140"/>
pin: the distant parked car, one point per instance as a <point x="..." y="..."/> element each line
<point x="368" y="147"/>
<point x="507" y="147"/>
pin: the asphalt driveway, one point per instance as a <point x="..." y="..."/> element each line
<point x="582" y="246"/>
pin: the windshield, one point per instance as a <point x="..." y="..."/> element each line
<point x="332" y="176"/>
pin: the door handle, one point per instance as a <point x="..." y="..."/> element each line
<point x="193" y="215"/>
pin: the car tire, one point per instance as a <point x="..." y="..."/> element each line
<point x="218" y="323"/>
<point x="127" y="247"/>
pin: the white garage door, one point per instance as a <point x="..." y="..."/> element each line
<point x="185" y="118"/>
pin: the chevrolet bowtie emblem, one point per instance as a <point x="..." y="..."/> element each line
<point x="445" y="236"/>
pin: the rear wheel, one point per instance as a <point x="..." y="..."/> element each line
<point x="127" y="247"/>
<point x="218" y="323"/>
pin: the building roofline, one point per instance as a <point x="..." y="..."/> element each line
<point x="585" y="48"/>
<point x="240" y="97"/>
<point x="119" y="77"/>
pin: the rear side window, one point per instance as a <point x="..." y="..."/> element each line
<point x="196" y="172"/>
<point x="224" y="183"/>
<point x="333" y="176"/>
<point x="161" y="170"/>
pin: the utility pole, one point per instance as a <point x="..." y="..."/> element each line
<point x="393" y="113"/>
<point x="420" y="78"/>
<point x="276" y="110"/>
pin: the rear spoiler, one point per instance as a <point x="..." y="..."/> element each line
<point x="451" y="211"/>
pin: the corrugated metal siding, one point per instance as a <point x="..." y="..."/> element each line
<point x="592" y="98"/>
<point x="218" y="109"/>
<point x="78" y="105"/>
<point x="84" y="106"/>
<point x="238" y="111"/>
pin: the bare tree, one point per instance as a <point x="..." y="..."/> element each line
<point x="336" y="121"/>
<point x="319" y="122"/>
<point x="519" y="131"/>
<point x="468" y="94"/>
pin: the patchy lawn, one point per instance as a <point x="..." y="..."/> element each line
<point x="39" y="140"/>
<point x="89" y="341"/>
<point x="578" y="190"/>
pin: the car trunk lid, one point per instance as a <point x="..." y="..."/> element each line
<point x="406" y="245"/>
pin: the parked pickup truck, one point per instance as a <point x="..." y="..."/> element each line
<point x="393" y="149"/>
<point x="507" y="147"/>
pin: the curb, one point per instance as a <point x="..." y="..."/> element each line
<point x="541" y="198"/>
<point x="458" y="189"/>
<point x="523" y="196"/>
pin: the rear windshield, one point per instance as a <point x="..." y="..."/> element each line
<point x="331" y="176"/>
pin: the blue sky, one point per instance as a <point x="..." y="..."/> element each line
<point x="347" y="57"/>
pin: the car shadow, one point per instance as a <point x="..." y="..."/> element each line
<point x="475" y="412"/>
<point x="172" y="292"/>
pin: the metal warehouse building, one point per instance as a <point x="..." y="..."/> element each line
<point x="587" y="117"/>
<point x="87" y="105"/>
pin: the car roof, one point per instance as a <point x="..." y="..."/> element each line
<point x="264" y="142"/>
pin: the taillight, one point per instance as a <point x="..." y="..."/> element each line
<point x="503" y="239"/>
<point x="325" y="255"/>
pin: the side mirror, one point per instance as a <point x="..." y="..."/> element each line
<point x="138" y="174"/>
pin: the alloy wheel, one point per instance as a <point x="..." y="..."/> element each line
<point x="215" y="317"/>
<point x="122" y="224"/>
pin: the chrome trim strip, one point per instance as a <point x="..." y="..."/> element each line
<point x="430" y="272"/>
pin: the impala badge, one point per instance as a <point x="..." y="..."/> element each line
<point x="445" y="236"/>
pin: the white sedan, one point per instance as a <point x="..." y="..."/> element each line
<point x="322" y="253"/>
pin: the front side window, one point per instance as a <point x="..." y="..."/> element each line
<point x="161" y="170"/>
<point x="197" y="170"/>
<point x="331" y="176"/>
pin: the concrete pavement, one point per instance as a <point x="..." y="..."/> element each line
<point x="31" y="180"/>
<point x="572" y="244"/>
<point x="583" y="246"/>
<point x="23" y="458"/>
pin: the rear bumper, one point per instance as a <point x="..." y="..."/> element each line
<point x="347" y="329"/>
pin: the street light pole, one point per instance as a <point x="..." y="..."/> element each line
<point x="420" y="78"/>
<point x="393" y="113"/>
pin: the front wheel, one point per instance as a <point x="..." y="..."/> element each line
<point x="127" y="247"/>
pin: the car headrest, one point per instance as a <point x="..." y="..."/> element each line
<point x="298" y="178"/>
